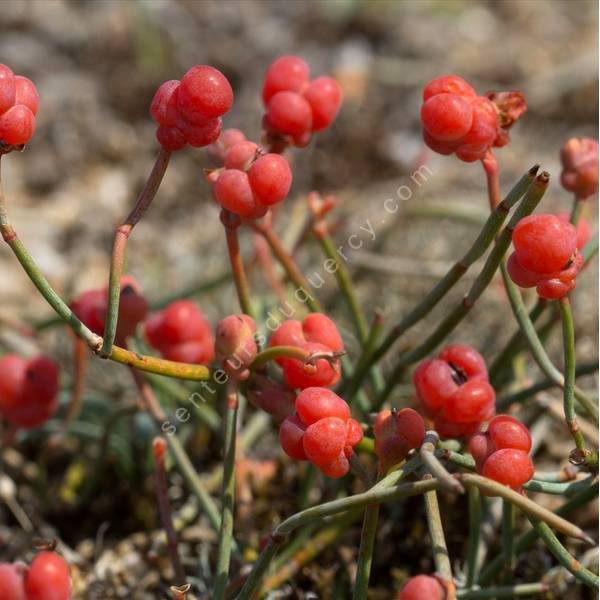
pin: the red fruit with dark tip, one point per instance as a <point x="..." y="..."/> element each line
<point x="270" y="178"/>
<point x="48" y="578"/>
<point x="325" y="98"/>
<point x="422" y="587"/>
<point x="289" y="113"/>
<point x="12" y="584"/>
<point x="287" y="73"/>
<point x="204" y="94"/>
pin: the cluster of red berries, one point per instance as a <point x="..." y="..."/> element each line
<point x="502" y="452"/>
<point x="454" y="391"/>
<point x="422" y="587"/>
<point x="316" y="333"/>
<point x="545" y="256"/>
<point x="189" y="111"/>
<point x="579" y="158"/>
<point x="19" y="103"/>
<point x="47" y="578"/>
<point x="90" y="308"/>
<point x="251" y="180"/>
<point x="181" y="332"/>
<point x="397" y="432"/>
<point x="456" y="120"/>
<point x="321" y="431"/>
<point x="235" y="345"/>
<point x="28" y="390"/>
<point x="295" y="106"/>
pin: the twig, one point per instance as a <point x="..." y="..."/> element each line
<point x="508" y="536"/>
<point x="490" y="166"/>
<point x="474" y="534"/>
<point x="506" y="591"/>
<point x="435" y="467"/>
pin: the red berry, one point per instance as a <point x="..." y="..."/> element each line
<point x="579" y="158"/>
<point x="289" y="113"/>
<point x="434" y="383"/>
<point x="584" y="231"/>
<point x="471" y="153"/>
<point x="472" y="401"/>
<point x="288" y="333"/>
<point x="320" y="328"/>
<point x="522" y="277"/>
<point x="325" y="98"/>
<point x="12" y="376"/>
<point x="323" y="373"/>
<point x="270" y="178"/>
<point x="336" y="468"/>
<point x="509" y="466"/>
<point x="233" y="192"/>
<point x="235" y="346"/>
<point x="480" y="447"/>
<point x="287" y="73"/>
<point x="48" y="578"/>
<point x="448" y="429"/>
<point x="17" y="125"/>
<point x="422" y="587"/>
<point x="324" y="440"/>
<point x="353" y="436"/>
<point x="291" y="433"/>
<point x="484" y="128"/>
<point x="544" y="243"/>
<point x="12" y="586"/>
<point x="396" y="433"/>
<point x="7" y="88"/>
<point x="163" y="108"/>
<point x="204" y="94"/>
<point x="26" y="93"/>
<point x="466" y="359"/>
<point x="226" y="140"/>
<point x="507" y="432"/>
<point x="444" y="148"/>
<point x="447" y="117"/>
<point x="170" y="138"/>
<point x="554" y="289"/>
<point x="448" y="84"/>
<point x="202" y="134"/>
<point x="315" y="403"/>
<point x="241" y="155"/>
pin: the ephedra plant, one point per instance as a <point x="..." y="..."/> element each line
<point x="338" y="412"/>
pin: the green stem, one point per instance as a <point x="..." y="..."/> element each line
<point x="227" y="506"/>
<point x="475" y="513"/>
<point x="506" y="591"/>
<point x="526" y="541"/>
<point x="365" y="554"/>
<point x="508" y="537"/>
<point x="563" y="556"/>
<point x="120" y="243"/>
<point x="480" y="245"/>
<point x="535" y="345"/>
<point x="577" y="210"/>
<point x="306" y="356"/>
<point x="531" y="199"/>
<point x="438" y="539"/>
<point x="569" y="387"/>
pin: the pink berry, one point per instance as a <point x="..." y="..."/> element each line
<point x="48" y="578"/>
<point x="579" y="158"/>
<point x="544" y="243"/>
<point x="354" y="435"/>
<point x="226" y="140"/>
<point x="448" y="84"/>
<point x="510" y="467"/>
<point x="170" y="138"/>
<point x="163" y="108"/>
<point x="287" y="73"/>
<point x="422" y="587"/>
<point x="233" y="192"/>
<point x="325" y="98"/>
<point x="522" y="277"/>
<point x="12" y="586"/>
<point x="507" y="432"/>
<point x="204" y="94"/>
<point x="472" y="401"/>
<point x="7" y="88"/>
<point x="270" y="178"/>
<point x="202" y="134"/>
<point x="289" y="113"/>
<point x="324" y="440"/>
<point x="235" y="345"/>
<point x="291" y="433"/>
<point x="447" y="117"/>
<point x="315" y="403"/>
<point x="26" y="93"/>
<point x="396" y="433"/>
<point x="484" y="128"/>
<point x="241" y="155"/>
<point x="17" y="125"/>
<point x="336" y="468"/>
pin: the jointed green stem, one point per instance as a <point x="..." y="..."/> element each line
<point x="438" y="540"/>
<point x="483" y="241"/>
<point x="534" y="590"/>
<point x="563" y="556"/>
<point x="120" y="243"/>
<point x="365" y="555"/>
<point x="227" y="506"/>
<point x="508" y="536"/>
<point x="531" y="199"/>
<point x="474" y="534"/>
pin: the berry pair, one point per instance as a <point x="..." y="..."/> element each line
<point x="579" y="157"/>
<point x="321" y="431"/>
<point x="189" y="111"/>
<point x="454" y="391"/>
<point x="19" y="103"/>
<point x="90" y="308"/>
<point x="545" y="255"/>
<point x="422" y="587"/>
<point x="316" y="333"/>
<point x="181" y="332"/>
<point x="47" y="578"/>
<point x="396" y="434"/>
<point x="295" y="106"/>
<point x="28" y="390"/>
<point x="251" y="180"/>
<point x="502" y="452"/>
<point x="235" y="345"/>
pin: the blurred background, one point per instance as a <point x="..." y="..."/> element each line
<point x="97" y="65"/>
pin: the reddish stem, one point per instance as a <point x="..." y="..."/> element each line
<point x="492" y="170"/>
<point x="80" y="360"/>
